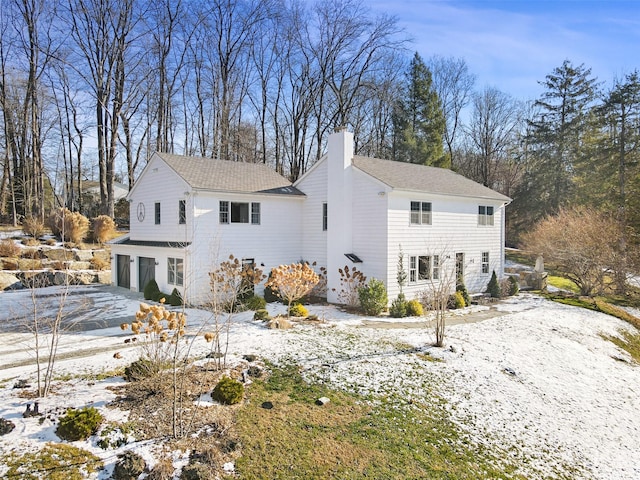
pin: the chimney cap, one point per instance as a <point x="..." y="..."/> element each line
<point x="341" y="128"/>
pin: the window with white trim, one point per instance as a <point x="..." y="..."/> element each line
<point x="175" y="271"/>
<point x="325" y="217"/>
<point x="239" y="212"/>
<point x="485" y="215"/>
<point x="424" y="267"/>
<point x="485" y="262"/>
<point x="182" y="212"/>
<point x="421" y="213"/>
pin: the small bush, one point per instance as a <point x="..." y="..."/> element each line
<point x="298" y="310"/>
<point x="99" y="263"/>
<point x="69" y="226"/>
<point x="399" y="307"/>
<point x="456" y="301"/>
<point x="141" y="369"/>
<point x="104" y="228"/>
<point x="196" y="471"/>
<point x="30" y="242"/>
<point x="10" y="264"/>
<point x="175" y="299"/>
<point x="513" y="287"/>
<point x="414" y="308"/>
<point x="31" y="253"/>
<point x="33" y="227"/>
<point x="228" y="391"/>
<point x="51" y="242"/>
<point x="279" y="323"/>
<point x="128" y="466"/>
<point x="9" y="248"/>
<point x="255" y="303"/>
<point x="79" y="424"/>
<point x="373" y="297"/>
<point x="261" y="314"/>
<point x="461" y="287"/>
<point x="151" y="290"/>
<point x="493" y="288"/>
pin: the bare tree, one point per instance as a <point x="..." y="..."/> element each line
<point x="454" y="84"/>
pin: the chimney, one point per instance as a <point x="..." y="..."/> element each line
<point x="339" y="206"/>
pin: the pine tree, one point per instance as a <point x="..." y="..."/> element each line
<point x="418" y="121"/>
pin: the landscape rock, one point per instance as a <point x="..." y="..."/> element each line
<point x="83" y="255"/>
<point x="7" y="280"/>
<point x="6" y="426"/>
<point x="322" y="401"/>
<point x="104" y="277"/>
<point x="58" y="254"/>
<point x="79" y="266"/>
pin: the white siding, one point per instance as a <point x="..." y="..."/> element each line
<point x="454" y="229"/>
<point x="314" y="239"/>
<point x="158" y="183"/>
<point x="369" y="226"/>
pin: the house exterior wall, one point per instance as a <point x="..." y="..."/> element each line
<point x="454" y="229"/>
<point x="314" y="238"/>
<point x="158" y="184"/>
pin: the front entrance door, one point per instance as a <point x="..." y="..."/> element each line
<point x="124" y="271"/>
<point x="146" y="271"/>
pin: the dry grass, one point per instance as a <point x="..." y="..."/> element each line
<point x="9" y="249"/>
<point x="279" y="323"/>
<point x="99" y="263"/>
<point x="104" y="228"/>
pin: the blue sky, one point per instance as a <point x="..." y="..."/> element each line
<point x="511" y="45"/>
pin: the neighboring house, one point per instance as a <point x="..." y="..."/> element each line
<point x="188" y="214"/>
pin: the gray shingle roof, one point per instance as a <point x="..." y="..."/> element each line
<point x="420" y="178"/>
<point x="226" y="176"/>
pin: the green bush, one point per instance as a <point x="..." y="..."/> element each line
<point x="298" y="310"/>
<point x="129" y="465"/>
<point x="514" y="288"/>
<point x="373" y="297"/>
<point x="228" y="391"/>
<point x="151" y="290"/>
<point x="461" y="287"/>
<point x="255" y="303"/>
<point x="261" y="314"/>
<point x="175" y="299"/>
<point x="141" y="369"/>
<point x="414" y="308"/>
<point x="399" y="307"/>
<point x="456" y="301"/>
<point x="493" y="288"/>
<point x="79" y="424"/>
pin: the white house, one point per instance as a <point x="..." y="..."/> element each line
<point x="189" y="213"/>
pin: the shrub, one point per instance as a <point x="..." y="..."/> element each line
<point x="457" y="301"/>
<point x="461" y="287"/>
<point x="261" y="314"/>
<point x="373" y="297"/>
<point x="79" y="424"/>
<point x="292" y="282"/>
<point x="99" y="263"/>
<point x="514" y="288"/>
<point x="129" y="465"/>
<point x="33" y="227"/>
<point x="69" y="226"/>
<point x="414" y="308"/>
<point x="31" y="253"/>
<point x="493" y="288"/>
<point x="104" y="228"/>
<point x="298" y="310"/>
<point x="151" y="290"/>
<point x="141" y="369"/>
<point x="9" y="248"/>
<point x="399" y="307"/>
<point x="255" y="303"/>
<point x="350" y="282"/>
<point x="196" y="471"/>
<point x="175" y="298"/>
<point x="228" y="391"/>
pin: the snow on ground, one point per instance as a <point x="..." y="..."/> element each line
<point x="532" y="378"/>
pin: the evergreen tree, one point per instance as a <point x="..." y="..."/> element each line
<point x="418" y="121"/>
<point x="555" y="140"/>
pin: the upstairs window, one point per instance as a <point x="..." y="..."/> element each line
<point x="255" y="213"/>
<point x="239" y="212"/>
<point x="157" y="213"/>
<point x="421" y="213"/>
<point x="485" y="215"/>
<point x="182" y="212"/>
<point x="325" y="217"/>
<point x="224" y="211"/>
